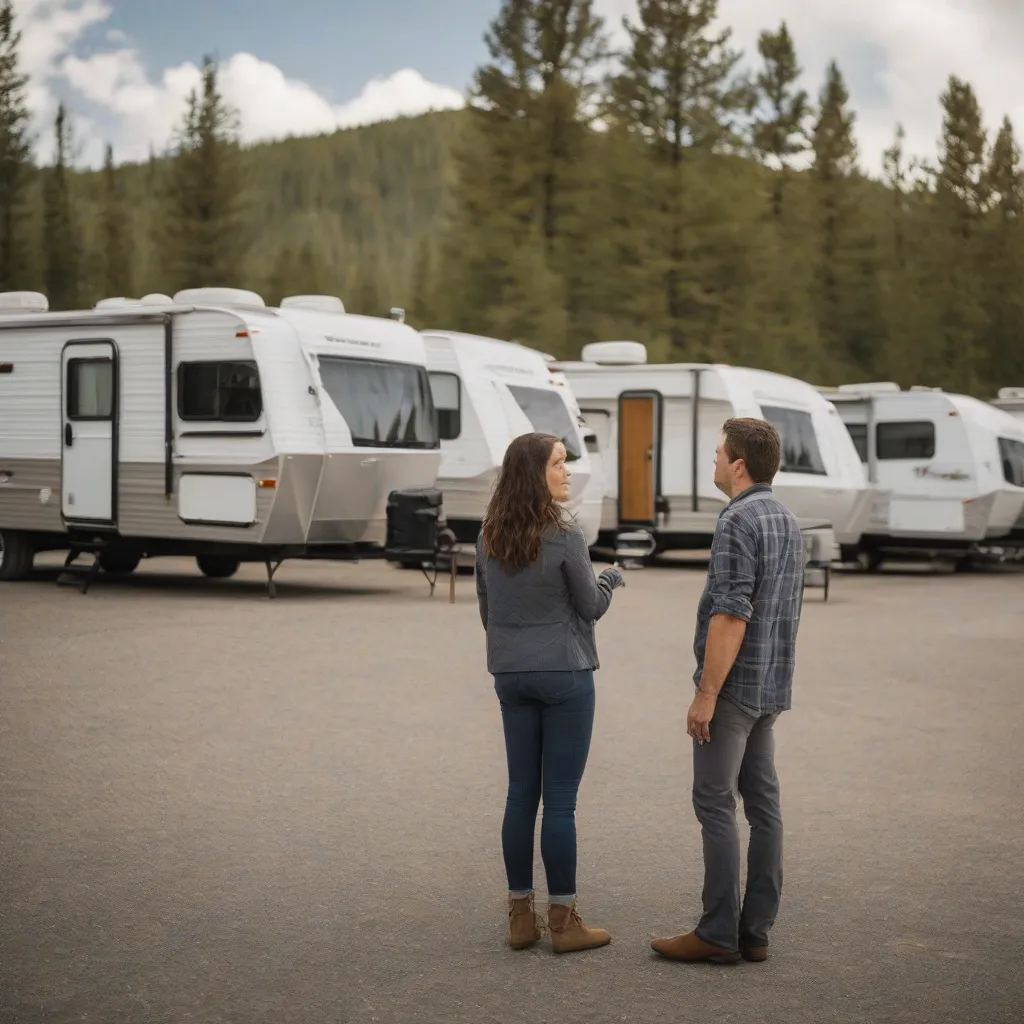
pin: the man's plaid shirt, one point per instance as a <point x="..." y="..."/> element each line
<point x="756" y="574"/>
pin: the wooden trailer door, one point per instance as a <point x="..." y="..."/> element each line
<point x="89" y="432"/>
<point x="638" y="453"/>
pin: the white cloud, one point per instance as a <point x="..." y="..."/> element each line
<point x="135" y="112"/>
<point x="271" y="106"/>
<point x="896" y="56"/>
<point x="49" y="28"/>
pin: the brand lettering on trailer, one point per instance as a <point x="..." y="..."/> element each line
<point x="349" y="341"/>
<point x="499" y="368"/>
<point x="953" y="474"/>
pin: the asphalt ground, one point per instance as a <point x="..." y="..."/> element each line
<point x="215" y="807"/>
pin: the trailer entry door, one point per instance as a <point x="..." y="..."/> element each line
<point x="638" y="450"/>
<point x="89" y="432"/>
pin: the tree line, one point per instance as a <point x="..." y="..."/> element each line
<point x="662" y="194"/>
<point x="721" y="214"/>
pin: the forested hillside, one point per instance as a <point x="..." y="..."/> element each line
<point x="341" y="213"/>
<point x="674" y="200"/>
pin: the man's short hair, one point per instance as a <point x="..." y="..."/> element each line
<point x="757" y="443"/>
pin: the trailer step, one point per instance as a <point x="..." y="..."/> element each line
<point x="91" y="544"/>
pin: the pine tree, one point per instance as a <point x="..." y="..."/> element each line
<point x="677" y="87"/>
<point x="424" y="308"/>
<point x="833" y="142"/>
<point x="61" y="239"/>
<point x="849" y="322"/>
<point x="835" y="161"/>
<point x="780" y="119"/>
<point x="1003" y="344"/>
<point x="15" y="155"/>
<point x="522" y="167"/>
<point x="961" y="198"/>
<point x="678" y="92"/>
<point x="205" y="229"/>
<point x="908" y="318"/>
<point x="117" y="244"/>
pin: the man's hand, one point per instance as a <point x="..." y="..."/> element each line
<point x="698" y="718"/>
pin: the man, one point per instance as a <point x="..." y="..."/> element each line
<point x="746" y="635"/>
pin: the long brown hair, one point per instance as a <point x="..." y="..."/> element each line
<point x="521" y="507"/>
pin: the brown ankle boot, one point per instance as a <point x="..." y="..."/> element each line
<point x="569" y="933"/>
<point x="524" y="923"/>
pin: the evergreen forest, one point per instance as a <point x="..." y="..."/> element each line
<point x="676" y="193"/>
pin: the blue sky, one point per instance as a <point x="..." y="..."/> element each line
<point x="335" y="47"/>
<point x="305" y="66"/>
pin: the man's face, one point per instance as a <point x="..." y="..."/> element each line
<point x="725" y="471"/>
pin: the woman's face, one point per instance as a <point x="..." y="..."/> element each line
<point x="558" y="473"/>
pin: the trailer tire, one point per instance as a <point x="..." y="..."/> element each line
<point x="119" y="563"/>
<point x="217" y="567"/>
<point x="16" y="555"/>
<point x="871" y="560"/>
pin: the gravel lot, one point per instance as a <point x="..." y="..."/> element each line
<point x="215" y="807"/>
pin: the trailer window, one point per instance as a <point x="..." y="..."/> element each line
<point x="446" y="391"/>
<point x="1011" y="453"/>
<point x="222" y="392"/>
<point x="859" y="436"/>
<point x="600" y="421"/>
<point x="548" y="414"/>
<point x="906" y="440"/>
<point x="800" y="452"/>
<point x="386" y="405"/>
<point x="90" y="389"/>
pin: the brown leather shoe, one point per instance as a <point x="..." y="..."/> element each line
<point x="755" y="954"/>
<point x="568" y="932"/>
<point x="690" y="948"/>
<point x="524" y="924"/>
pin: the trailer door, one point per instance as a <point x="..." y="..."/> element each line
<point x="639" y="451"/>
<point x="89" y="441"/>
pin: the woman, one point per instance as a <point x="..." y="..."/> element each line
<point x="539" y="601"/>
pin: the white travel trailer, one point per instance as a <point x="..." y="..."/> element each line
<point x="486" y="393"/>
<point x="954" y="467"/>
<point x="209" y="425"/>
<point x="1010" y="400"/>
<point x="658" y="427"/>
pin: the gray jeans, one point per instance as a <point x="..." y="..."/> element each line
<point x="740" y="757"/>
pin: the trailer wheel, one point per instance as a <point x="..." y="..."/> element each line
<point x="871" y="560"/>
<point x="119" y="563"/>
<point x="217" y="567"/>
<point x="16" y="555"/>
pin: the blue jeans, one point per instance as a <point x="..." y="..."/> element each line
<point x="548" y="718"/>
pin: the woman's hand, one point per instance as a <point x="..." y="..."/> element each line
<point x="613" y="576"/>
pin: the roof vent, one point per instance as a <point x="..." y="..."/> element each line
<point x="319" y="303"/>
<point x="24" y="302"/>
<point x="881" y="387"/>
<point x="614" y="353"/>
<point x="156" y="299"/>
<point x="397" y="313"/>
<point x="923" y="387"/>
<point x="1011" y="394"/>
<point x="218" y="297"/>
<point x="118" y="302"/>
